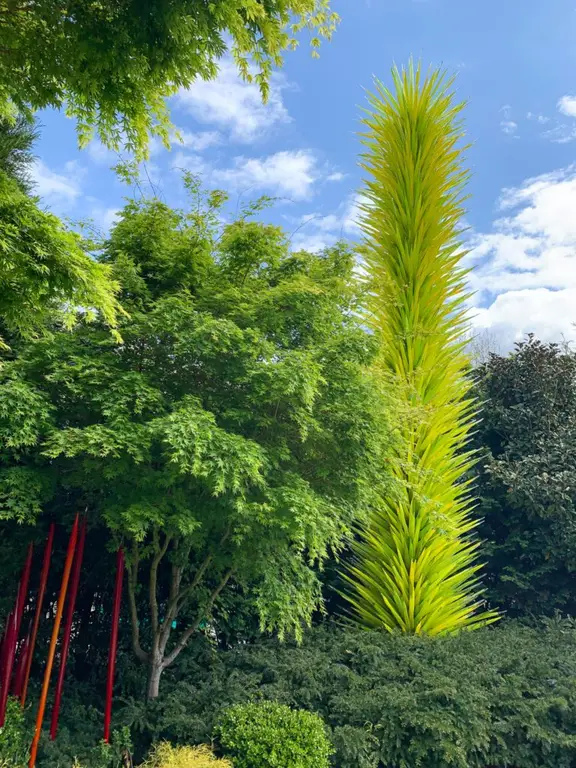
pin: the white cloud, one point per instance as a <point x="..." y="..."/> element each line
<point x="507" y="124"/>
<point x="198" y="142"/>
<point x="525" y="269"/>
<point x="542" y="119"/>
<point x="102" y="155"/>
<point x="567" y="105"/>
<point x="104" y="218"/>
<point x="313" y="242"/>
<point x="509" y="127"/>
<point x="560" y="132"/>
<point x="231" y="103"/>
<point x="287" y="173"/>
<point x="191" y="162"/>
<point x="515" y="314"/>
<point x="316" y="231"/>
<point x="336" y="176"/>
<point x="352" y="214"/>
<point x="57" y="189"/>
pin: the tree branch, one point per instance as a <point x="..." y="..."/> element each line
<point x="153" y="583"/>
<point x="177" y="598"/>
<point x="141" y="655"/>
<point x="200" y="572"/>
<point x="172" y="609"/>
<point x="185" y="594"/>
<point x="190" y="631"/>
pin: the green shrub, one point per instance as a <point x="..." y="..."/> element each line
<point x="271" y="735"/>
<point x="502" y="697"/>
<point x="83" y="748"/>
<point x="14" y="739"/>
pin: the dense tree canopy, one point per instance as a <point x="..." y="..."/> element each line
<point x="17" y="137"/>
<point x="112" y="63"/>
<point x="230" y="440"/>
<point x="46" y="271"/>
<point x="527" y="481"/>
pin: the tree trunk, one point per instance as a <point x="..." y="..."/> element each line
<point x="157" y="660"/>
<point x="155" y="669"/>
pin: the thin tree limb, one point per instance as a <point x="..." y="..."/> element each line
<point x="141" y="654"/>
<point x="190" y="631"/>
<point x="172" y="609"/>
<point x="185" y="594"/>
<point x="153" y="582"/>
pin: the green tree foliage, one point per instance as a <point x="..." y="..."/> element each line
<point x="230" y="440"/>
<point x="46" y="272"/>
<point x="271" y="735"/>
<point x="17" y="137"/>
<point x="527" y="483"/>
<point x="112" y="63"/>
<point x="416" y="567"/>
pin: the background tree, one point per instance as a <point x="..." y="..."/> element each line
<point x="416" y="567"/>
<point x="527" y="480"/>
<point x="17" y="138"/>
<point x="112" y="63"/>
<point x="481" y="345"/>
<point x="230" y="440"/>
<point x="46" y="270"/>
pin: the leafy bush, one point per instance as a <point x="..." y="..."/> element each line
<point x="79" y="742"/>
<point x="270" y="735"/>
<point x="526" y="482"/>
<point x="166" y="756"/>
<point x="502" y="697"/>
<point x="14" y="741"/>
<point x="497" y="697"/>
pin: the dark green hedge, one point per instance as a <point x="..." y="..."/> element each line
<point x="496" y="698"/>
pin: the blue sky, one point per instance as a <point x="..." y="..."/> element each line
<point x="516" y="68"/>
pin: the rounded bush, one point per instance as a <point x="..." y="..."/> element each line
<point x="271" y="735"/>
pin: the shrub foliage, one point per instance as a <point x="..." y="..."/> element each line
<point x="14" y="740"/>
<point x="167" y="756"/>
<point x="271" y="735"/>
<point x="527" y="478"/>
<point x="498" y="697"/>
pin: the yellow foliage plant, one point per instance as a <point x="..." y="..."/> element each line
<point x="165" y="755"/>
<point x="416" y="566"/>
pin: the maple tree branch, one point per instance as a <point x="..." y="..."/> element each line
<point x="185" y="594"/>
<point x="141" y="654"/>
<point x="190" y="631"/>
<point x="172" y="608"/>
<point x="160" y="551"/>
